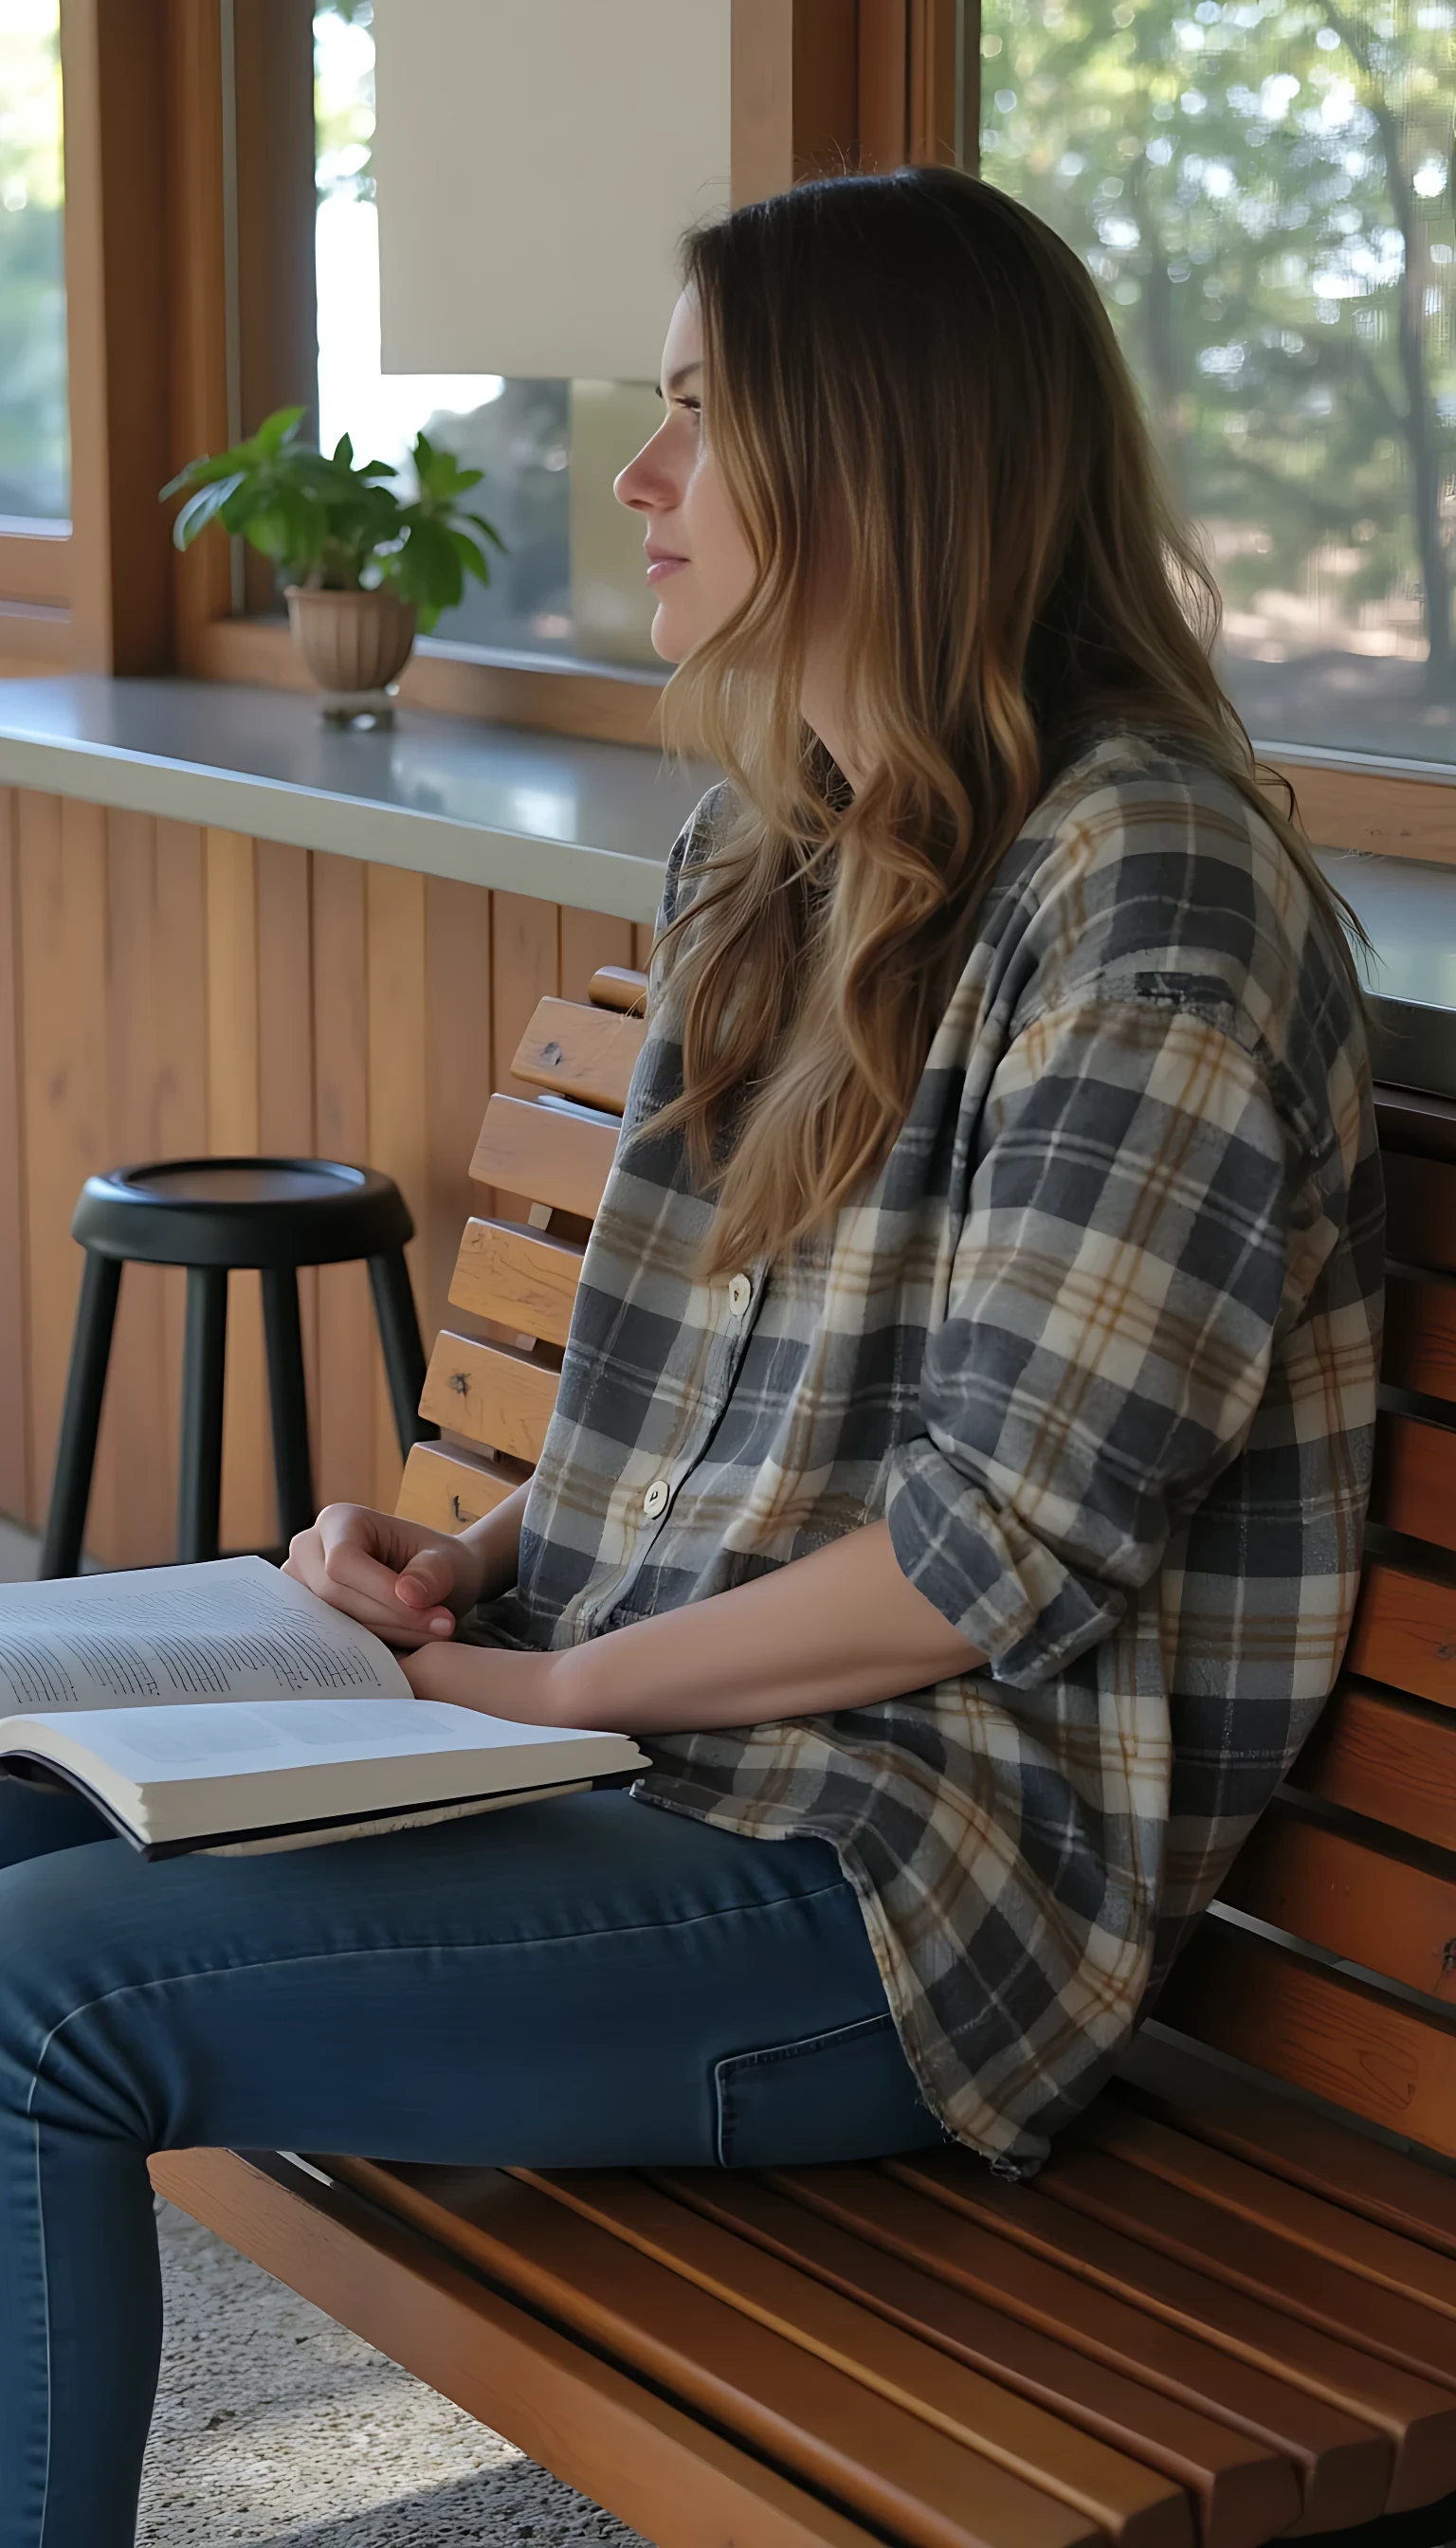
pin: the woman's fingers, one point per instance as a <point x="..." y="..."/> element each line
<point x="350" y="1558"/>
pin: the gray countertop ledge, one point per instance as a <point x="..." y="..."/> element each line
<point x="588" y="824"/>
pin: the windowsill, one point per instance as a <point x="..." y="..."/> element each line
<point x="569" y="821"/>
<point x="566" y="820"/>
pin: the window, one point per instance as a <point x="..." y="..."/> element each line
<point x="1262" y="189"/>
<point x="34" y="453"/>
<point x="571" y="584"/>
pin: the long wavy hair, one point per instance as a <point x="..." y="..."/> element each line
<point x="921" y="414"/>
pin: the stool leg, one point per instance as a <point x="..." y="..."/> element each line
<point x="85" y="1386"/>
<point x="199" y="1487"/>
<point x="404" y="1354"/>
<point x="291" y="1470"/>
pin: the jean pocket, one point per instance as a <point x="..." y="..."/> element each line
<point x="848" y="2093"/>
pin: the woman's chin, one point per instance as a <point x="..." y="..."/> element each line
<point x="671" y="638"/>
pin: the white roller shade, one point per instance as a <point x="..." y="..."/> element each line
<point x="536" y="163"/>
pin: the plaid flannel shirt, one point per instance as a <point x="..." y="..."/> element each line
<point x="1101" y="1344"/>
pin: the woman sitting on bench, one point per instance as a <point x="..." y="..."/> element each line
<point x="964" y="1439"/>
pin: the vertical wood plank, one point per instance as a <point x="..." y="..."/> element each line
<point x="642" y="937"/>
<point x="398" y="1132"/>
<point x="249" y="1518"/>
<point x="157" y="1042"/>
<point x="458" y="1082"/>
<point x="347" y="1351"/>
<point x="525" y="966"/>
<point x="15" y="1498"/>
<point x="62" y="941"/>
<point x="590" y="939"/>
<point x="286" y="1046"/>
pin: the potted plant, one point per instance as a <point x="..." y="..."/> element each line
<point x="364" y="567"/>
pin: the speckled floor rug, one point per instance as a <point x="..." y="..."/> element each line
<point x="274" y="2426"/>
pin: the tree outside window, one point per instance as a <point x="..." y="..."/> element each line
<point x="1262" y="189"/>
<point x="34" y="440"/>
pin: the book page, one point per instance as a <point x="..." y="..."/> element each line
<point x="171" y="1635"/>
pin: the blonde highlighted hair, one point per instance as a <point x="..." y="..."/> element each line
<point x="920" y="412"/>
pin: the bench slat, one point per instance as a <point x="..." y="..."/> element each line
<point x="662" y="2471"/>
<point x="1348" y="2167"/>
<point x="1245" y="2490"/>
<point x="1419" y="2414"/>
<point x="1356" y="1900"/>
<point x="500" y="1399"/>
<point x="1342" y="2459"/>
<point x="518" y="1277"/>
<point x="1381" y="1757"/>
<point x="1396" y="2264"/>
<point x="585" y="1054"/>
<point x="1405" y="1632"/>
<point x="542" y="1152"/>
<point x="873" y="2457"/>
<point x="1195" y="2233"/>
<point x="617" y="986"/>
<point x="1118" y="2492"/>
<point x="1419" y="1335"/>
<point x="1420" y="1211"/>
<point x="1319" y="2029"/>
<point x="1413" y="1488"/>
<point x="447" y="1489"/>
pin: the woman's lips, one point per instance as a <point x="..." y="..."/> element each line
<point x="658" y="568"/>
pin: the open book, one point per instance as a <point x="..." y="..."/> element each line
<point x="225" y="1708"/>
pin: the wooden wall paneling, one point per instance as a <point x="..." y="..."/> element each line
<point x="525" y="966"/>
<point x="642" y="937"/>
<point x="590" y="939"/>
<point x="157" y="1042"/>
<point x="457" y="1070"/>
<point x="347" y="1349"/>
<point x="65" y="1112"/>
<point x="14" y="1372"/>
<point x="286" y="1046"/>
<point x="399" y="1125"/>
<point x="249" y="1516"/>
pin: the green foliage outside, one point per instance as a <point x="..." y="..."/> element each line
<point x="1262" y="189"/>
<point x="333" y="522"/>
<point x="34" y="440"/>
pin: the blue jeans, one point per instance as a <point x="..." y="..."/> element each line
<point x="584" y="1983"/>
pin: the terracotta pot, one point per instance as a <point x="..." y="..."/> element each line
<point x="351" y="642"/>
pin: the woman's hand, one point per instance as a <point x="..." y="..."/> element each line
<point x="407" y="1583"/>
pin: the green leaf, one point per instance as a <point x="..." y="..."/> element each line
<point x="343" y="452"/>
<point x="429" y="571"/>
<point x="472" y="556"/>
<point x="487" y="528"/>
<point x="199" y="509"/>
<point x="277" y="429"/>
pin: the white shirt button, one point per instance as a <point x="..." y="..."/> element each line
<point x="740" y="1293"/>
<point x="655" y="1499"/>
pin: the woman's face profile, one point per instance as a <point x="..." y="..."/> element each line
<point x="699" y="561"/>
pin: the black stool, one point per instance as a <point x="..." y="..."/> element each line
<point x="210" y="1215"/>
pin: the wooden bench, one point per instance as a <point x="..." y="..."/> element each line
<point x="1225" y="2311"/>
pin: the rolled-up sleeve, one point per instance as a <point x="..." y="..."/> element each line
<point x="1111" y="1314"/>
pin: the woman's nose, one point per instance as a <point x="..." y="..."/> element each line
<point x="645" y="486"/>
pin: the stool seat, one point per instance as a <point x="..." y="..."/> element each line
<point x="220" y="1217"/>
<point x="241" y="1213"/>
